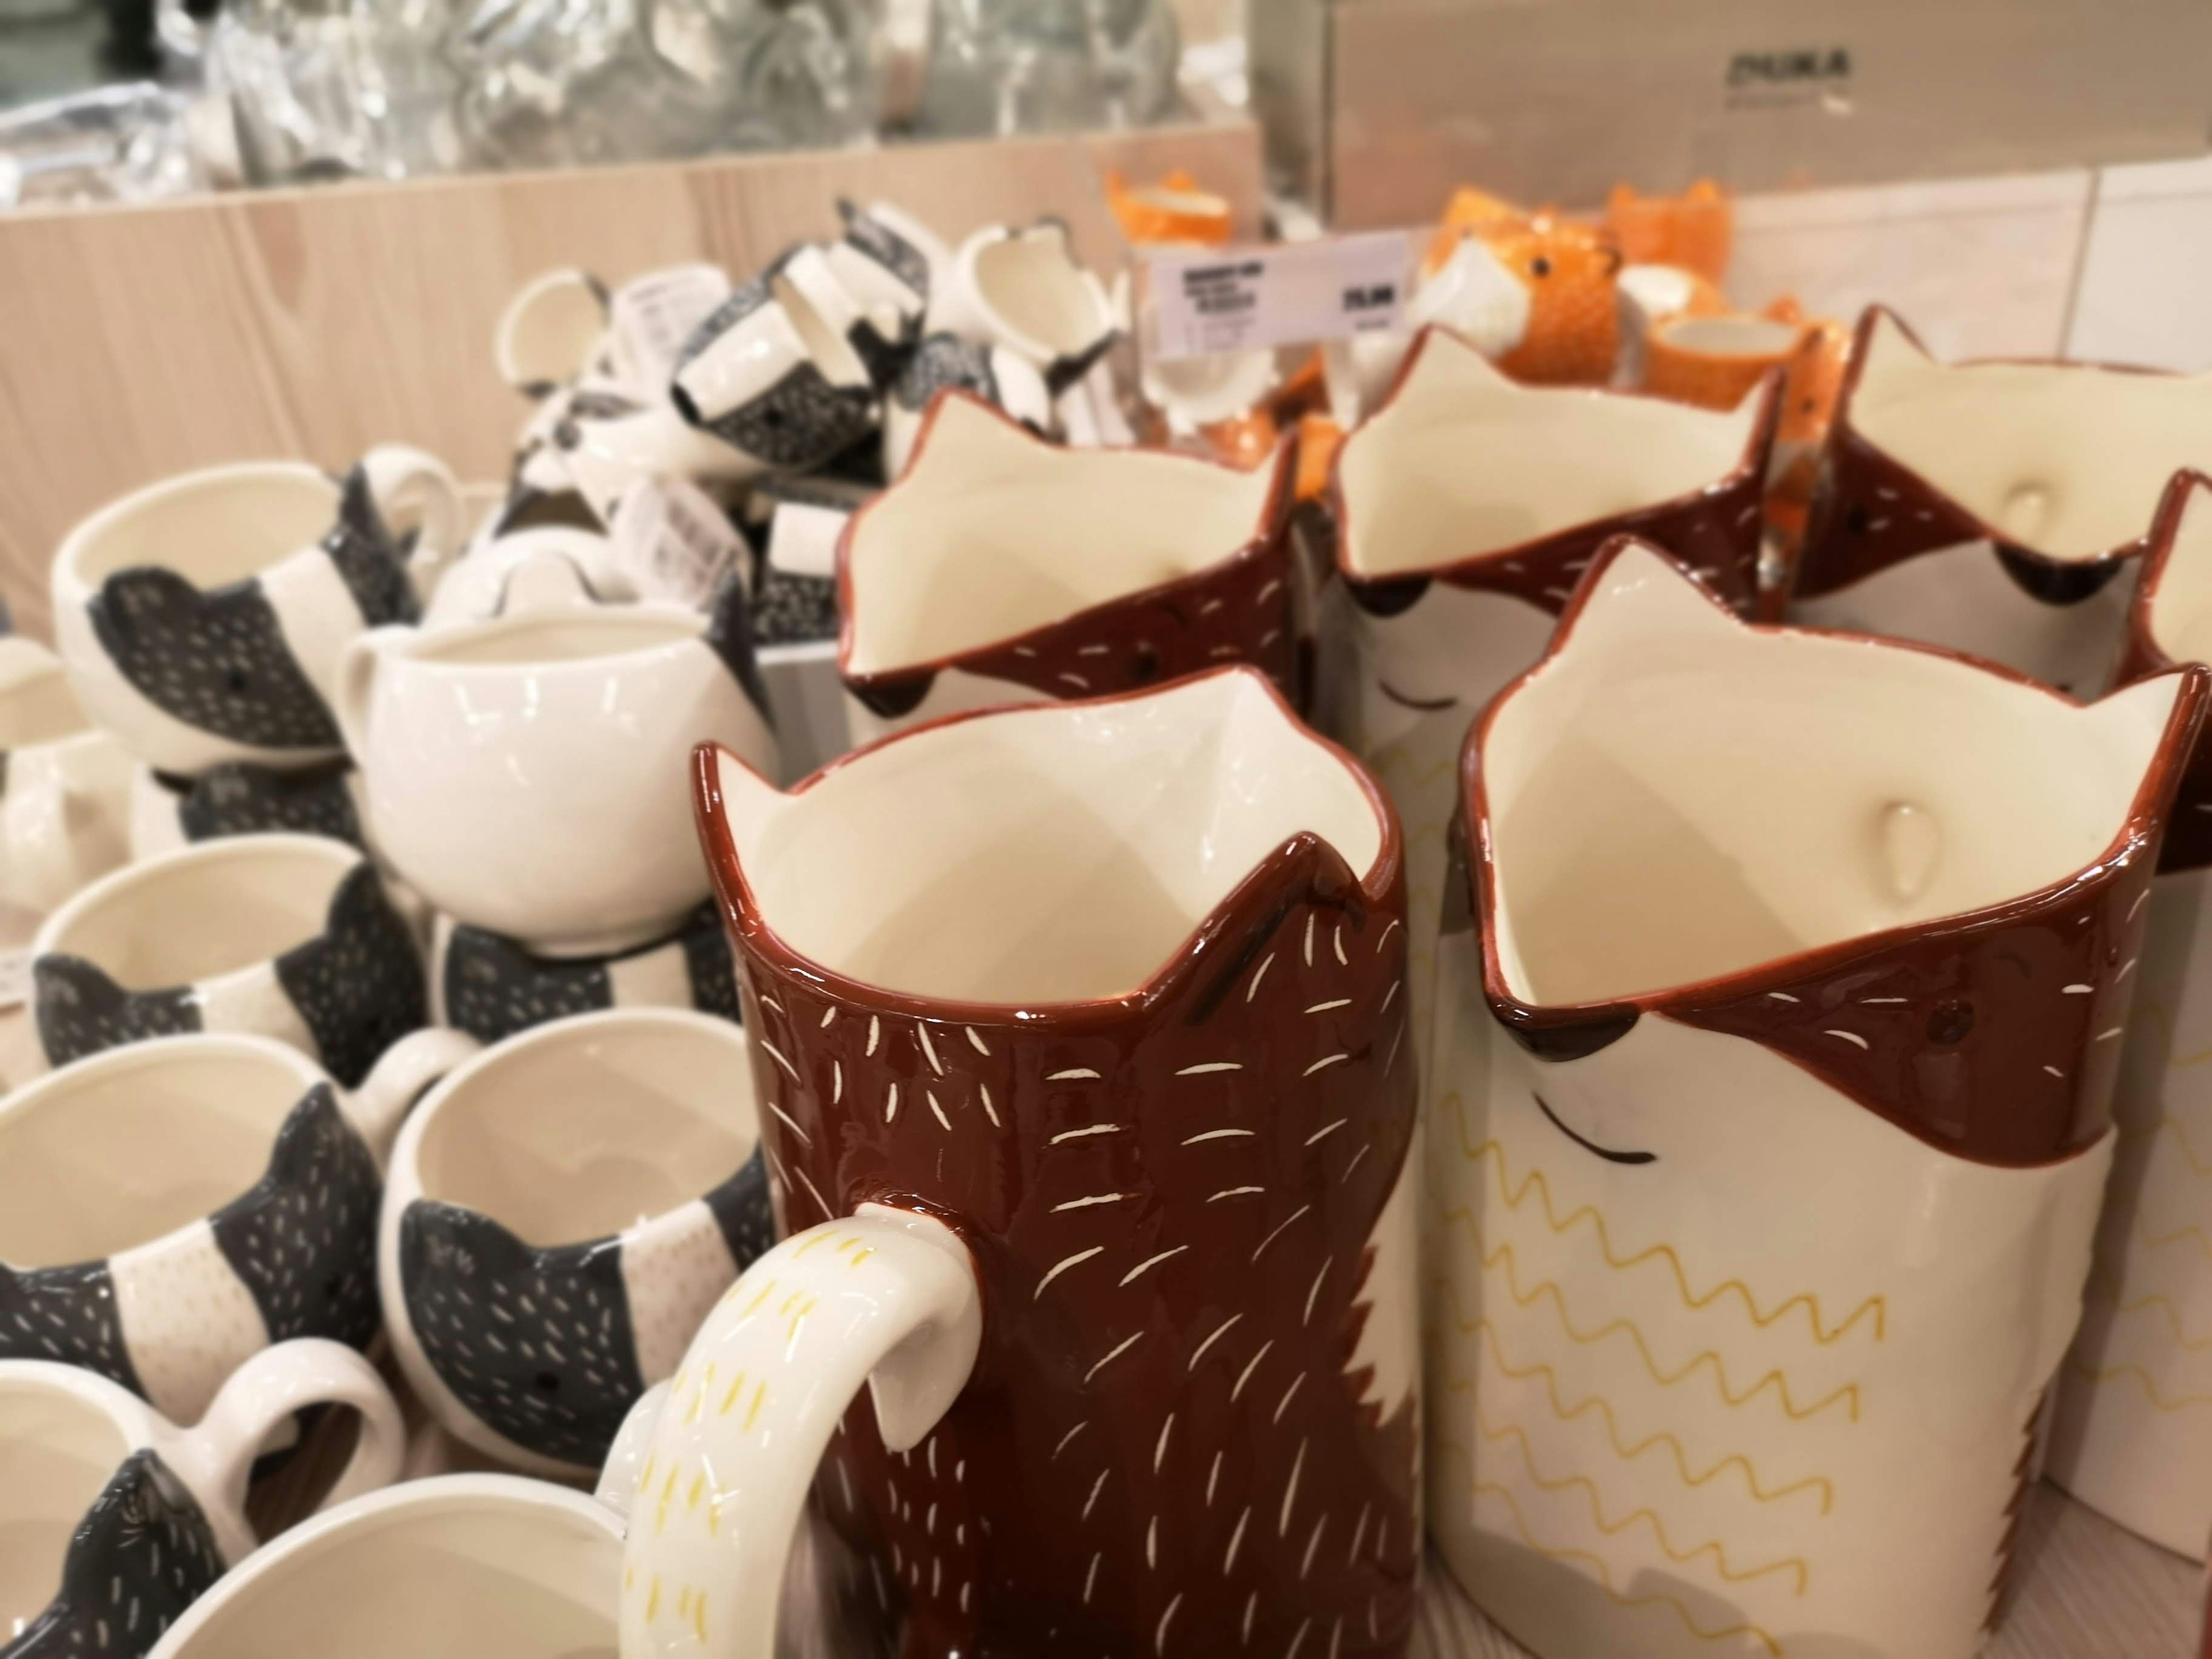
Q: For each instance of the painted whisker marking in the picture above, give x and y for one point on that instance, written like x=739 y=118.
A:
x=1336 y=939
x=1385 y=938
x=1077 y=1134
x=2077 y=990
x=1291 y=1492
x=776 y=1054
x=1323 y=1133
x=828 y=1214
x=1251 y=1366
x=1309 y=927
x=1160 y=1450
x=1272 y=1237
x=1091 y=1579
x=1307 y=1317
x=790 y=1122
x=989 y=1110
x=1074 y=1074
x=2054 y=1071
x=1849 y=1036
x=1391 y=995
x=1205 y=1067
x=1336 y=1002
x=875 y=1033
x=1213 y=1476
x=1217 y=1134
x=1288 y=1394
x=2105 y=1036
x=891 y=1106
x=1160 y=1635
x=837 y=1081
x=1326 y=1062
x=1065 y=1439
x=1150 y=1261
x=1115 y=1353
x=943 y=1122
x=1267 y=963
x=1063 y=1265
x=1095 y=1487
x=1236 y=1542
x=1095 y=1198
x=977 y=1041
x=828 y=1016
x=1220 y=1331
x=1782 y=996
x=1234 y=1192
x=929 y=1049
x=1075 y=680
x=1354 y=1164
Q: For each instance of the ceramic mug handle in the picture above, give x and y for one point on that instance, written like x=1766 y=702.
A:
x=887 y=1298
x=217 y=1455
x=398 y=1080
x=413 y=487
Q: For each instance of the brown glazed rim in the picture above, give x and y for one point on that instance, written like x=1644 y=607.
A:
x=742 y=913
x=1862 y=332
x=1273 y=514
x=1751 y=463
x=2140 y=826
x=2145 y=655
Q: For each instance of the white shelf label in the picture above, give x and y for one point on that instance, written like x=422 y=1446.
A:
x=1242 y=300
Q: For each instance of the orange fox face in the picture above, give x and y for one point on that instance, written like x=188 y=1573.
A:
x=1692 y=230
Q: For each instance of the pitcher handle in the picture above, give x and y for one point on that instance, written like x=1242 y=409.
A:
x=356 y=675
x=888 y=1297
x=217 y=1456
x=401 y=1076
x=412 y=486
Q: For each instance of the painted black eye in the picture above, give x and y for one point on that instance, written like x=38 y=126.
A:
x=1949 y=1022
x=1539 y=266
x=1856 y=520
x=547 y=1382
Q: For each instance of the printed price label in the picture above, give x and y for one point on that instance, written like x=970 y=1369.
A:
x=673 y=541
x=1204 y=303
x=654 y=315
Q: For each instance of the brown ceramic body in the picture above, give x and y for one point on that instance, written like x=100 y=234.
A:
x=1171 y=1440
x=1241 y=608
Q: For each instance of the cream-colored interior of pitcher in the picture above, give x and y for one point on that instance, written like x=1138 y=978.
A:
x=210 y=527
x=1057 y=853
x=2064 y=459
x=593 y=1126
x=560 y=636
x=461 y=1575
x=213 y=909
x=1028 y=283
x=2181 y=608
x=1463 y=461
x=57 y=1452
x=1730 y=337
x=127 y=1148
x=992 y=533
x=1676 y=797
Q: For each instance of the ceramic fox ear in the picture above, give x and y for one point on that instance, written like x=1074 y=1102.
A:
x=2179 y=577
x=975 y=426
x=1886 y=333
x=737 y=805
x=2134 y=721
x=1634 y=590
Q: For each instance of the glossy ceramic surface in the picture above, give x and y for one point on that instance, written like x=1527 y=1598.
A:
x=2133 y=1432
x=561 y=1213
x=293 y=937
x=1003 y=568
x=488 y=1563
x=1467 y=506
x=202 y=617
x=517 y=771
x=169 y=1209
x=116 y=1520
x=1774 y=1067
x=1137 y=1037
x=1994 y=507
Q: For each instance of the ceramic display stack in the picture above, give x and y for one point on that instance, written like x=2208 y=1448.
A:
x=867 y=1015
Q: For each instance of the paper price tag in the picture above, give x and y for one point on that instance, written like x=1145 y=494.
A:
x=1204 y=302
x=674 y=541
x=654 y=315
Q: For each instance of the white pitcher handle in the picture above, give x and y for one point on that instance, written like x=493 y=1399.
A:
x=544 y=338
x=887 y=1298
x=356 y=675
x=217 y=1456
x=415 y=490
x=398 y=1080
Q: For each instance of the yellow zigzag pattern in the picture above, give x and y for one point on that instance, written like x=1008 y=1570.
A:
x=2192 y=1233
x=2157 y=1401
x=1588 y=1487
x=1604 y=1575
x=1807 y=1300
x=1774 y=1379
x=1393 y=760
x=2169 y=1124
x=1628 y=1454
x=2105 y=1289
x=2152 y=1013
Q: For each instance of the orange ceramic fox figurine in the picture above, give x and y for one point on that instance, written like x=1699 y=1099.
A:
x=1533 y=290
x=1693 y=231
x=1178 y=209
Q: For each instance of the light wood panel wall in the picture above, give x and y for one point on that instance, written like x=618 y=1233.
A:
x=136 y=341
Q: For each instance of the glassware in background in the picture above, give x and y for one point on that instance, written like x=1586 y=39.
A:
x=337 y=87
x=558 y=82
x=134 y=142
x=1007 y=66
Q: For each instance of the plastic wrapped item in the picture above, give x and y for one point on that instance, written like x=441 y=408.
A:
x=337 y=87
x=556 y=82
x=134 y=142
x=1003 y=66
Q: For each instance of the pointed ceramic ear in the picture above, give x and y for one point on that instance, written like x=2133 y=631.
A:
x=1450 y=358
x=736 y=806
x=1632 y=588
x=2135 y=721
x=1887 y=333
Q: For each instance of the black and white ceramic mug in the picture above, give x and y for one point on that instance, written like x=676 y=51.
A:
x=560 y=1214
x=492 y=987
x=202 y=616
x=171 y=1209
x=238 y=798
x=288 y=936
x=115 y=1520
